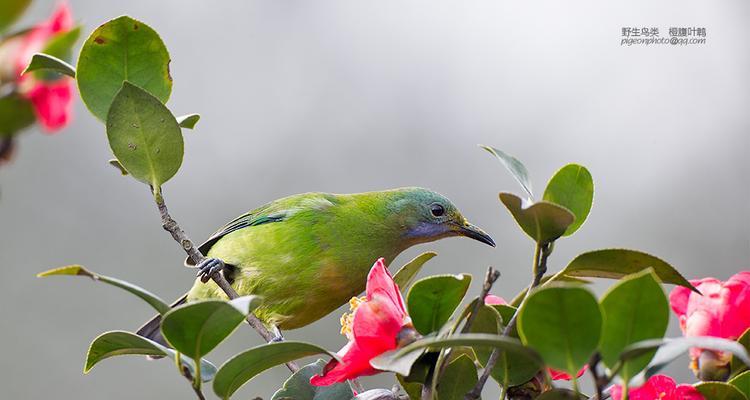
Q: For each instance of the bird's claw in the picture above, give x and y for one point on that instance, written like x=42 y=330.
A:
x=209 y=267
x=277 y=336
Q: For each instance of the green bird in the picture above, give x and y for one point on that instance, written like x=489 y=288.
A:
x=308 y=254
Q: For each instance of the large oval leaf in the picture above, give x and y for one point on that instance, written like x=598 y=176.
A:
x=195 y=329
x=719 y=391
x=542 y=221
x=510 y=368
x=617 y=263
x=119 y=343
x=392 y=360
x=636 y=309
x=432 y=300
x=248 y=364
x=563 y=323
x=458 y=379
x=144 y=136
x=515 y=167
x=78 y=270
x=573 y=188
x=298 y=386
x=122 y=49
x=406 y=274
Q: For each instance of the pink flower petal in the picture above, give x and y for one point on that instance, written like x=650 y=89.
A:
x=493 y=300
x=560 y=375
x=52 y=103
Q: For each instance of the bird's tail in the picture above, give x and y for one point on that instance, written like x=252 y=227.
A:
x=152 y=328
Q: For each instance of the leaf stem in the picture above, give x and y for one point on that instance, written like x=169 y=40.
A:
x=171 y=226
x=441 y=364
x=539 y=268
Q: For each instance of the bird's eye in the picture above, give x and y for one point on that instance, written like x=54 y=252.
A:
x=437 y=210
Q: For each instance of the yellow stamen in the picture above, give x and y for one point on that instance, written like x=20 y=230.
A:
x=348 y=318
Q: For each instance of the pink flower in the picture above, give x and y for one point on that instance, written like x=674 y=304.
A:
x=492 y=300
x=51 y=100
x=564 y=376
x=659 y=387
x=375 y=326
x=722 y=311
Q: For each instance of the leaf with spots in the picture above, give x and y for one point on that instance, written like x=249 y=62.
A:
x=144 y=136
x=120 y=50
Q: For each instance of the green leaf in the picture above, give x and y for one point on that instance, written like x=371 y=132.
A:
x=510 y=369
x=563 y=323
x=391 y=361
x=617 y=263
x=736 y=365
x=298 y=386
x=636 y=309
x=119 y=343
x=45 y=62
x=719 y=391
x=548 y=279
x=16 y=114
x=459 y=378
x=560 y=394
x=244 y=366
x=742 y=383
x=59 y=47
x=188 y=121
x=515 y=167
x=432 y=300
x=412 y=389
x=405 y=275
x=78 y=270
x=61 y=44
x=194 y=329
x=10 y=11
x=122 y=49
x=144 y=136
x=573 y=188
x=543 y=221
x=113 y=162
x=670 y=349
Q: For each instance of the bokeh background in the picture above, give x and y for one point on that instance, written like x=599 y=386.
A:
x=346 y=96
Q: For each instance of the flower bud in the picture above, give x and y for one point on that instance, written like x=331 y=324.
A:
x=711 y=367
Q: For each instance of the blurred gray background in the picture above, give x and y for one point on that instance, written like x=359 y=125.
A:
x=346 y=96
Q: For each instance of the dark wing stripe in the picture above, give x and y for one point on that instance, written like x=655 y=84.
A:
x=243 y=221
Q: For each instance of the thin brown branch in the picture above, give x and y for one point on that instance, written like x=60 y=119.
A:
x=171 y=226
x=541 y=253
x=489 y=280
x=599 y=381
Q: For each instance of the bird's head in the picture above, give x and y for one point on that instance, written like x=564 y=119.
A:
x=425 y=216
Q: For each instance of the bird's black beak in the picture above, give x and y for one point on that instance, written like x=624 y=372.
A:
x=474 y=232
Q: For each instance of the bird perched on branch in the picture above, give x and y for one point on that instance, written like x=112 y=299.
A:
x=308 y=254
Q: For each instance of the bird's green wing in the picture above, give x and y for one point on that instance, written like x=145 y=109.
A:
x=275 y=211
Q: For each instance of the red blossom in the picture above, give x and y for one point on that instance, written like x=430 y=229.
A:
x=722 y=311
x=564 y=376
x=372 y=328
x=658 y=387
x=51 y=100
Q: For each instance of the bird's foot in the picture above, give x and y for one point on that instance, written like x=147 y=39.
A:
x=277 y=336
x=209 y=267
